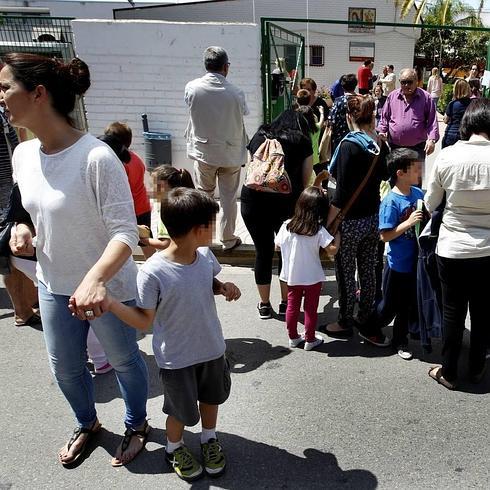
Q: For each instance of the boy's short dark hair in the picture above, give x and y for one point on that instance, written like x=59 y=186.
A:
x=400 y=159
x=183 y=209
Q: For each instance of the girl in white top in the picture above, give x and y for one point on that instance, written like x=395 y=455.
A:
x=300 y=240
x=77 y=195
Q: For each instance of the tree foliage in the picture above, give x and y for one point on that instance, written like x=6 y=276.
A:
x=453 y=49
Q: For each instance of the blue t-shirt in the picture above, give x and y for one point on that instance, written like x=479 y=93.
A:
x=395 y=209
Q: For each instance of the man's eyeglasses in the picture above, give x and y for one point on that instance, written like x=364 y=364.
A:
x=406 y=82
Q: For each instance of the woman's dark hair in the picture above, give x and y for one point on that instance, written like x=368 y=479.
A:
x=303 y=97
x=475 y=86
x=308 y=81
x=361 y=108
x=175 y=177
x=63 y=81
x=117 y=146
x=348 y=82
x=120 y=130
x=289 y=125
x=310 y=212
x=476 y=119
x=308 y=116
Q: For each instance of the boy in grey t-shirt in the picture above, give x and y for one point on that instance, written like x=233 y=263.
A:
x=176 y=289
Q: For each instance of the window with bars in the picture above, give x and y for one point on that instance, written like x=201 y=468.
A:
x=317 y=55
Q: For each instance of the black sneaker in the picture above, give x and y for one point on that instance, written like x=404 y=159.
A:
x=283 y=305
x=265 y=310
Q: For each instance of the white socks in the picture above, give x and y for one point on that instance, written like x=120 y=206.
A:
x=207 y=434
x=172 y=446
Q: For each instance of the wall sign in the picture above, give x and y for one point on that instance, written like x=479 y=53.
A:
x=361 y=14
x=360 y=51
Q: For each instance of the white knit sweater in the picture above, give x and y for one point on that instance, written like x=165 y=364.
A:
x=79 y=199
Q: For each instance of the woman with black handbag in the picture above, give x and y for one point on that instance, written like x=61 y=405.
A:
x=20 y=288
x=359 y=166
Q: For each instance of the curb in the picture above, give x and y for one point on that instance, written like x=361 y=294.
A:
x=243 y=255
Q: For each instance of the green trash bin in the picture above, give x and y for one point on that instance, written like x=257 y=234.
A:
x=158 y=149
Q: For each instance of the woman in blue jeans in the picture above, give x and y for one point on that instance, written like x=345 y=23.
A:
x=83 y=226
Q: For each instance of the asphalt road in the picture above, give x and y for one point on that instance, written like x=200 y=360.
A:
x=348 y=416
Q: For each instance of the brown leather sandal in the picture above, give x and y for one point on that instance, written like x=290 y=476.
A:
x=435 y=373
x=128 y=435
x=76 y=434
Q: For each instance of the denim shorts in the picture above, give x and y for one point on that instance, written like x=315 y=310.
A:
x=208 y=382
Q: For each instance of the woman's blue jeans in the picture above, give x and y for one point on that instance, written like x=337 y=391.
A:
x=66 y=343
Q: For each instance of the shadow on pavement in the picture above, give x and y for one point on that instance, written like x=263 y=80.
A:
x=248 y=354
x=7 y=315
x=107 y=388
x=254 y=464
x=5 y=303
x=353 y=347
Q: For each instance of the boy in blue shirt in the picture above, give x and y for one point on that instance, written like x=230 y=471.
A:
x=398 y=216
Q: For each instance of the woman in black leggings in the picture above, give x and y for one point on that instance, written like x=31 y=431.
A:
x=462 y=174
x=263 y=212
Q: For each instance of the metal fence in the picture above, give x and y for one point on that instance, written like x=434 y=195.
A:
x=41 y=34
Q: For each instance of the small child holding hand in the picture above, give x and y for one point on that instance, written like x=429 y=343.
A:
x=175 y=295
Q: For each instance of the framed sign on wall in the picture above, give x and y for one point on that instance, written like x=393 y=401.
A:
x=357 y=14
x=361 y=51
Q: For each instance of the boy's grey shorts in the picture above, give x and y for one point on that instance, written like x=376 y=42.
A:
x=208 y=382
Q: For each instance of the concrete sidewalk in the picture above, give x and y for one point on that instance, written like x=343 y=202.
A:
x=348 y=416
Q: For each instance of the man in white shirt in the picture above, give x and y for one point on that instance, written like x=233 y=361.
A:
x=388 y=80
x=216 y=137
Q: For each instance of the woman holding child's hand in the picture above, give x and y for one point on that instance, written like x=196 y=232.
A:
x=78 y=198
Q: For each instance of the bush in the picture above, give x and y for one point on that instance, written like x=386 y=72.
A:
x=446 y=97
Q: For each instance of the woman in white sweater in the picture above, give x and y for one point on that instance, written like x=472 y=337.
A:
x=84 y=229
x=462 y=173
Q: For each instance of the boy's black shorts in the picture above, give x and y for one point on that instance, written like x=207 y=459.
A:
x=208 y=382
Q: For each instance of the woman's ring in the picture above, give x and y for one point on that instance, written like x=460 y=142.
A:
x=89 y=313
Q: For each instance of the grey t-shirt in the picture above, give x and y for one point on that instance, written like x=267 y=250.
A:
x=186 y=329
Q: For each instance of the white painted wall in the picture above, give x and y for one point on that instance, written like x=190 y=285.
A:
x=392 y=48
x=393 y=45
x=72 y=8
x=142 y=67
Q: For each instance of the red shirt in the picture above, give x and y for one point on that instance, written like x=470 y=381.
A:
x=135 y=169
x=364 y=74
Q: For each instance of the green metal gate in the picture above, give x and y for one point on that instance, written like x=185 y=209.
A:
x=283 y=66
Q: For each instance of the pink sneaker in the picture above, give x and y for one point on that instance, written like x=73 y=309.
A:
x=106 y=368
